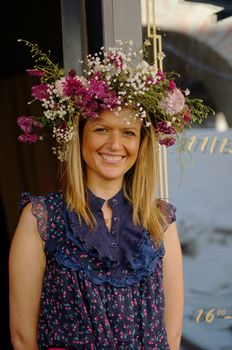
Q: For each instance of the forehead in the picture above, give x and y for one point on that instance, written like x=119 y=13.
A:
x=123 y=119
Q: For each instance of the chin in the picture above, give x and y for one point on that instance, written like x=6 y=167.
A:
x=111 y=175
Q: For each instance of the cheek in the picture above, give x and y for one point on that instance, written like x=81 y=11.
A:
x=135 y=147
x=90 y=146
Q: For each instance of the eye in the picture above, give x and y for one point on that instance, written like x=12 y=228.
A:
x=100 y=130
x=130 y=133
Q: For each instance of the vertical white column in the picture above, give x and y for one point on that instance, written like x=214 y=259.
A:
x=121 y=20
x=73 y=33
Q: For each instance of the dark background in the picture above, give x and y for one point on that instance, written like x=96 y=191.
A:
x=27 y=168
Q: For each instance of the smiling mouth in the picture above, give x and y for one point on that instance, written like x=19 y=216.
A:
x=110 y=158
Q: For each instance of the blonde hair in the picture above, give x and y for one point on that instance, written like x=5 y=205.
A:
x=140 y=184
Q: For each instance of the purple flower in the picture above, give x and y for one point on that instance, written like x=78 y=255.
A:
x=187 y=118
x=99 y=97
x=40 y=91
x=28 y=138
x=110 y=101
x=96 y=91
x=151 y=80
x=164 y=128
x=25 y=123
x=160 y=75
x=96 y=76
x=91 y=114
x=35 y=72
x=168 y=141
x=97 y=88
x=73 y=86
x=72 y=73
x=172 y=85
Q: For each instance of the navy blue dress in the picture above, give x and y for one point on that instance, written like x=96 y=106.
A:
x=102 y=290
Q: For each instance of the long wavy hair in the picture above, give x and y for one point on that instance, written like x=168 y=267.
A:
x=140 y=183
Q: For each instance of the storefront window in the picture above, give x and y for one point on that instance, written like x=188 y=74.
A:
x=197 y=42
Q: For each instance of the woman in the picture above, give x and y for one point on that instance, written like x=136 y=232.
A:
x=99 y=265
x=110 y=150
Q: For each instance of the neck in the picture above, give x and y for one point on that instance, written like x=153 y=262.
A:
x=103 y=188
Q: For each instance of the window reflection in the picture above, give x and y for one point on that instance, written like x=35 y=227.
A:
x=197 y=42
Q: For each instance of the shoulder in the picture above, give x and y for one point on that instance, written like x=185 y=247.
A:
x=26 y=239
x=27 y=221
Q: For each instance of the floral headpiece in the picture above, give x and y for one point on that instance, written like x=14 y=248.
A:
x=114 y=78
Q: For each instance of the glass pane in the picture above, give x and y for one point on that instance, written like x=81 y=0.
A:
x=197 y=42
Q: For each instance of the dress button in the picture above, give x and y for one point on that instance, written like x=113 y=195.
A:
x=113 y=245
x=116 y=219
x=114 y=201
x=114 y=233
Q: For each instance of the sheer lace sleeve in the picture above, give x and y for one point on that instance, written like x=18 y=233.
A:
x=39 y=210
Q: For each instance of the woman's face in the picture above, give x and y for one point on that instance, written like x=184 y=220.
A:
x=110 y=146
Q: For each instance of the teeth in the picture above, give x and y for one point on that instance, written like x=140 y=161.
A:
x=111 y=158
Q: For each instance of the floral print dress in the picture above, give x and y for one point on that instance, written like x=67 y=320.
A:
x=102 y=289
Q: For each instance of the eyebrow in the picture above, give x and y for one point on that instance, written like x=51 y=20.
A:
x=109 y=126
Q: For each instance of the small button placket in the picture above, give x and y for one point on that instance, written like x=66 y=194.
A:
x=115 y=227
x=114 y=201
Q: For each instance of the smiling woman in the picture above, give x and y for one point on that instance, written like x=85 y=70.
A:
x=98 y=265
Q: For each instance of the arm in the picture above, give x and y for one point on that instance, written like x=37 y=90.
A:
x=26 y=269
x=173 y=285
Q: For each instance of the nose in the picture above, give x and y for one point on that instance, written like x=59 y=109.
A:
x=115 y=141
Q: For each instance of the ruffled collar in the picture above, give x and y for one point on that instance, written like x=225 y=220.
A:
x=99 y=241
x=121 y=257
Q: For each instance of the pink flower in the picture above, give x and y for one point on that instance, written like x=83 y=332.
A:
x=25 y=123
x=168 y=141
x=187 y=118
x=160 y=75
x=28 y=138
x=150 y=80
x=72 y=86
x=90 y=114
x=98 y=97
x=40 y=91
x=164 y=128
x=173 y=102
x=172 y=85
x=72 y=73
x=35 y=72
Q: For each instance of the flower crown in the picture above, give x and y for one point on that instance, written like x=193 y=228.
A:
x=115 y=78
